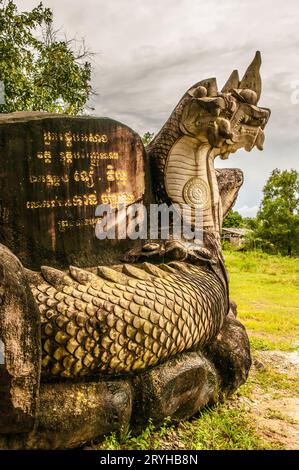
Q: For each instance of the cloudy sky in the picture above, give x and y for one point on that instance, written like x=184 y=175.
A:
x=150 y=52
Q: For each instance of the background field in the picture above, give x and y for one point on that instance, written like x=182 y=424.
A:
x=263 y=413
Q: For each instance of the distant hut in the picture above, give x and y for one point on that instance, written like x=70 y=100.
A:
x=235 y=236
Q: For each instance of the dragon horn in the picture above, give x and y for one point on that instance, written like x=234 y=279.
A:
x=210 y=84
x=232 y=82
x=252 y=78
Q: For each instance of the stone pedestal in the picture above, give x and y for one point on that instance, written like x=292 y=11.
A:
x=176 y=389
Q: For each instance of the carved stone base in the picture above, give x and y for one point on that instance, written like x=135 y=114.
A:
x=176 y=389
x=230 y=354
x=72 y=414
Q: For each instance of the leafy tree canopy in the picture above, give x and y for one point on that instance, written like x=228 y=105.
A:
x=147 y=138
x=233 y=219
x=39 y=71
x=278 y=217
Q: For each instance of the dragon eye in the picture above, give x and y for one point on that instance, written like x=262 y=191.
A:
x=249 y=96
x=200 y=92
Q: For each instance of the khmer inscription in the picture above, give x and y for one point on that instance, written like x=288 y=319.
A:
x=55 y=171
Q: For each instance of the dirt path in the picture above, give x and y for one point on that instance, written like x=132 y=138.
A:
x=274 y=397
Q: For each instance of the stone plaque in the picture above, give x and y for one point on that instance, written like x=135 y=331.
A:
x=54 y=172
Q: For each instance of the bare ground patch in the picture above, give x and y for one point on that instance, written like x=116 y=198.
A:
x=273 y=400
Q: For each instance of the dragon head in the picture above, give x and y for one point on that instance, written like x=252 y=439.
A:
x=230 y=119
x=207 y=123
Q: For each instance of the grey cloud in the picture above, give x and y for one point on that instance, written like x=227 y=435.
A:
x=151 y=52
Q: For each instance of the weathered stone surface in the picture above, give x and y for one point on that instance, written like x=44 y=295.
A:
x=72 y=414
x=177 y=388
x=230 y=354
x=229 y=182
x=55 y=170
x=20 y=345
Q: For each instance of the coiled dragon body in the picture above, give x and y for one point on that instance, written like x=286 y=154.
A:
x=120 y=322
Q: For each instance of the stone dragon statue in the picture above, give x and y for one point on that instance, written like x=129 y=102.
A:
x=173 y=297
x=125 y=321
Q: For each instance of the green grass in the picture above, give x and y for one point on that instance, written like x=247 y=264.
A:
x=274 y=414
x=221 y=427
x=148 y=439
x=270 y=380
x=266 y=289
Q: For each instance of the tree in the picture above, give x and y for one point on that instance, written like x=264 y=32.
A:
x=233 y=219
x=277 y=225
x=39 y=71
x=249 y=222
x=147 y=138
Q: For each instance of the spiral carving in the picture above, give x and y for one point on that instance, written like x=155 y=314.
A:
x=196 y=193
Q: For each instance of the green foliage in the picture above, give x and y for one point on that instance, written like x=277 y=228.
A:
x=270 y=379
x=249 y=222
x=222 y=428
x=40 y=73
x=233 y=219
x=226 y=245
x=277 y=222
x=148 y=439
x=111 y=442
x=147 y=138
x=275 y=414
